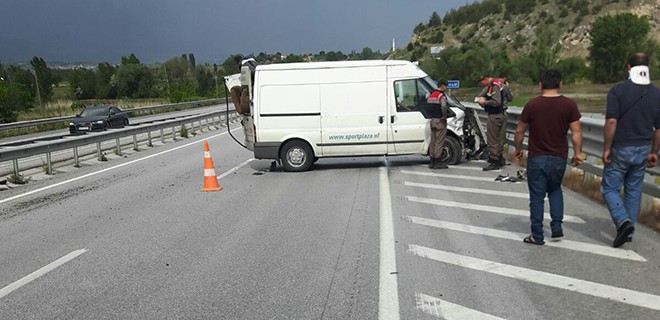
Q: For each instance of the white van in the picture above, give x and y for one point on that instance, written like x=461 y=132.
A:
x=301 y=112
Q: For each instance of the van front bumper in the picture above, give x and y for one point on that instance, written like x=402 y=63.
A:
x=267 y=150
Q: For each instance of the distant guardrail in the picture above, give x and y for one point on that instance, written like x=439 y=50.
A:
x=592 y=144
x=11 y=152
x=33 y=123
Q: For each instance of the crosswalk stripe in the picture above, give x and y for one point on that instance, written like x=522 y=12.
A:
x=468 y=190
x=447 y=310
x=469 y=206
x=622 y=295
x=564 y=244
x=451 y=176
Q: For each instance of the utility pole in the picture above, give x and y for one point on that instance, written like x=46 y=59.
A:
x=36 y=80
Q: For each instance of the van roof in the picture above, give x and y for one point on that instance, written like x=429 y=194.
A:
x=332 y=64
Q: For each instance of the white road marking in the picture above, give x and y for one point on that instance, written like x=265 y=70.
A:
x=450 y=176
x=468 y=190
x=388 y=292
x=235 y=168
x=564 y=244
x=469 y=206
x=35 y=275
x=447 y=310
x=622 y=295
x=108 y=169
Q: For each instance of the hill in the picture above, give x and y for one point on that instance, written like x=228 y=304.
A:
x=514 y=25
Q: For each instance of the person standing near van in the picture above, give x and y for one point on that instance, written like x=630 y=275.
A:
x=632 y=141
x=549 y=117
x=491 y=100
x=438 y=110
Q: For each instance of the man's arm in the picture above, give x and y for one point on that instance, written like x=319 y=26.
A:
x=652 y=159
x=520 y=135
x=576 y=136
x=609 y=131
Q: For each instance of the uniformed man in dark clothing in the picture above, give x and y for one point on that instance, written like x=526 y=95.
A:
x=492 y=100
x=438 y=111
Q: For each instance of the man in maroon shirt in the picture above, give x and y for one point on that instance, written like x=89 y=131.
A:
x=548 y=118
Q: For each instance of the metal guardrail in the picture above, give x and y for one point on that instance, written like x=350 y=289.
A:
x=34 y=123
x=592 y=144
x=53 y=144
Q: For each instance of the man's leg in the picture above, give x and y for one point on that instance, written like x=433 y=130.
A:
x=555 y=173
x=633 y=183
x=501 y=139
x=442 y=134
x=492 y=137
x=536 y=183
x=613 y=175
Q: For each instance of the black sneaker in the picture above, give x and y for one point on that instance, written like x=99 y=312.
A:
x=622 y=234
x=440 y=165
x=557 y=233
x=492 y=166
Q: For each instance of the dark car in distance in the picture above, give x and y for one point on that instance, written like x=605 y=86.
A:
x=98 y=118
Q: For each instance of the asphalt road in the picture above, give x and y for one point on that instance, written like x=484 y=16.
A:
x=355 y=238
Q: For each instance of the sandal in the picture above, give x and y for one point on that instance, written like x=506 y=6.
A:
x=530 y=239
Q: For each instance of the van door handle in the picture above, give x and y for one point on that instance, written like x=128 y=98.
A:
x=381 y=119
x=391 y=119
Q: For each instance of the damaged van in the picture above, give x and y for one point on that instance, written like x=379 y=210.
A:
x=300 y=112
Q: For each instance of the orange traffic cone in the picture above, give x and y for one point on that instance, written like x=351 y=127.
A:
x=210 y=179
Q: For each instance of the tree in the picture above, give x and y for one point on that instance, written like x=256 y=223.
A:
x=82 y=84
x=44 y=78
x=14 y=98
x=105 y=88
x=546 y=48
x=134 y=81
x=191 y=61
x=613 y=40
x=131 y=59
x=435 y=20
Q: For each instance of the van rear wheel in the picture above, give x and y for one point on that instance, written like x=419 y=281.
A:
x=296 y=156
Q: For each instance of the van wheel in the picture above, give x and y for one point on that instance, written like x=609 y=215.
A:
x=296 y=156
x=451 y=151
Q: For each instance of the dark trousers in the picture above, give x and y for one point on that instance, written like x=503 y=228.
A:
x=496 y=135
x=438 y=134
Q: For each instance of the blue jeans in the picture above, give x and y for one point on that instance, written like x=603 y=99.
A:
x=544 y=176
x=626 y=170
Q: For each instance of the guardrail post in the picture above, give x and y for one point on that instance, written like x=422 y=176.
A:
x=76 y=161
x=135 y=143
x=222 y=123
x=99 y=153
x=15 y=167
x=174 y=133
x=149 y=139
x=49 y=164
x=162 y=136
x=118 y=147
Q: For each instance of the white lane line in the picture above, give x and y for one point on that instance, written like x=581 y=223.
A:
x=450 y=176
x=468 y=190
x=388 y=292
x=564 y=244
x=477 y=207
x=447 y=310
x=108 y=169
x=235 y=168
x=35 y=275
x=622 y=295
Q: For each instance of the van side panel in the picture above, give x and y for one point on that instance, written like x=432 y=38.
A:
x=354 y=118
x=287 y=111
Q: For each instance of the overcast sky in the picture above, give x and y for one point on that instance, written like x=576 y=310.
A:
x=157 y=30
